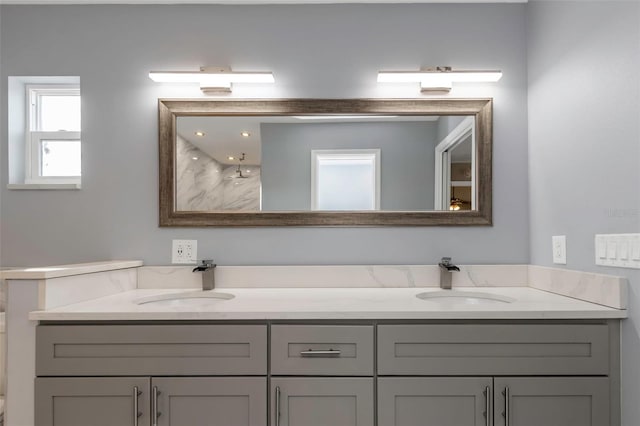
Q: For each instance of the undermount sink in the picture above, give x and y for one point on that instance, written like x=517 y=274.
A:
x=463 y=297
x=190 y=299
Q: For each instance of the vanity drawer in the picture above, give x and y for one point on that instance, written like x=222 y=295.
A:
x=493 y=349
x=319 y=350
x=86 y=350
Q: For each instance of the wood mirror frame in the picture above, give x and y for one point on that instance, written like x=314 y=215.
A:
x=170 y=109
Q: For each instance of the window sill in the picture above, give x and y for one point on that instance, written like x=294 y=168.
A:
x=43 y=186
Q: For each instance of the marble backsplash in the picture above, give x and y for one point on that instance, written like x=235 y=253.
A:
x=334 y=276
x=605 y=290
x=55 y=292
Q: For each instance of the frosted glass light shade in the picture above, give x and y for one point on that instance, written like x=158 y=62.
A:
x=438 y=79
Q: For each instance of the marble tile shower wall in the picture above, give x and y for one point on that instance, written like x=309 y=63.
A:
x=199 y=181
x=204 y=184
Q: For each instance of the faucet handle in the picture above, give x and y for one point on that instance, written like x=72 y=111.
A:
x=445 y=261
x=204 y=265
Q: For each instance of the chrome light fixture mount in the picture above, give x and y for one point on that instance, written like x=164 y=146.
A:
x=212 y=80
x=439 y=79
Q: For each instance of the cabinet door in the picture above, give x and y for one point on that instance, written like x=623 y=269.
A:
x=210 y=401
x=104 y=401
x=559 y=401
x=322 y=401
x=441 y=401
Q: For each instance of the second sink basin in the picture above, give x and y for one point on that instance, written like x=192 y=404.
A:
x=463 y=297
x=190 y=299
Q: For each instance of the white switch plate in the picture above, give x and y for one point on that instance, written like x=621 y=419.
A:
x=184 y=252
x=559 y=249
x=618 y=250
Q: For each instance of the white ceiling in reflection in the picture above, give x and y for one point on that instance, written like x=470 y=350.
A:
x=223 y=135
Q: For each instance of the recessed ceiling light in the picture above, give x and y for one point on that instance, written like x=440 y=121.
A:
x=245 y=134
x=231 y=158
x=194 y=158
x=199 y=133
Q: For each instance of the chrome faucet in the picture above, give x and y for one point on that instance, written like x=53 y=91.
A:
x=207 y=267
x=446 y=272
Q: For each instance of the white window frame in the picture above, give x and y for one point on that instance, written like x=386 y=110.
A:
x=458 y=135
x=34 y=137
x=320 y=154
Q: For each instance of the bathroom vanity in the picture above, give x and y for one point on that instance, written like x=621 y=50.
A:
x=505 y=347
x=316 y=373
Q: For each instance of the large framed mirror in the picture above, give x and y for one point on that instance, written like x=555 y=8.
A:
x=325 y=162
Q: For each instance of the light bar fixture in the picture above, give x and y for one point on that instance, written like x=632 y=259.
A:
x=439 y=79
x=215 y=80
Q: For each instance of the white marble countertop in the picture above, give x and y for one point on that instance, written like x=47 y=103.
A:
x=331 y=304
x=47 y=272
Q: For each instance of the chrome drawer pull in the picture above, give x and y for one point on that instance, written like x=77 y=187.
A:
x=311 y=352
x=136 y=412
x=487 y=406
x=506 y=406
x=154 y=408
x=277 y=405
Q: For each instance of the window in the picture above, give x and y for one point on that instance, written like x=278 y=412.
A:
x=345 y=179
x=53 y=147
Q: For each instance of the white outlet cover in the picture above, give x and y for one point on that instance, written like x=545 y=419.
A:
x=184 y=252
x=559 y=243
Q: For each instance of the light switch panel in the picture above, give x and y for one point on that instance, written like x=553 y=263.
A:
x=612 y=247
x=618 y=250
x=635 y=247
x=601 y=247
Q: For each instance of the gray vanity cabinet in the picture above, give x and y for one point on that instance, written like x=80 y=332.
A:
x=210 y=401
x=84 y=401
x=138 y=401
x=549 y=401
x=182 y=367
x=308 y=351
x=313 y=401
x=571 y=364
x=491 y=373
x=475 y=401
x=435 y=401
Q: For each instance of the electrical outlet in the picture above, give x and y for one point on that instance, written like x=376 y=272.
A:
x=184 y=251
x=559 y=249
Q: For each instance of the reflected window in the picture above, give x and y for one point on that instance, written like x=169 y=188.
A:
x=345 y=179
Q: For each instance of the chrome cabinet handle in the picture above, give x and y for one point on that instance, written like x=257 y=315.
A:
x=311 y=352
x=154 y=403
x=505 y=414
x=487 y=405
x=277 y=405
x=136 y=412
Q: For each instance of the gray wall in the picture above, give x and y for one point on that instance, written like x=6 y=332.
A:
x=407 y=156
x=327 y=51
x=584 y=144
x=446 y=125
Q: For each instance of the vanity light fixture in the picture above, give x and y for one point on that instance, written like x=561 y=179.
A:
x=199 y=133
x=439 y=79
x=245 y=134
x=212 y=80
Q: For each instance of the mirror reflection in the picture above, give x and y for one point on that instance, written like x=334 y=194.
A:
x=325 y=163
